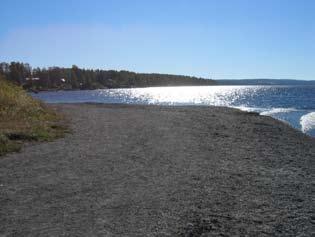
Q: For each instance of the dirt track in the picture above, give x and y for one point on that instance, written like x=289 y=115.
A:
x=161 y=171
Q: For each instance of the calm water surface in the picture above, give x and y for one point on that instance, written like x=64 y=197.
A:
x=293 y=104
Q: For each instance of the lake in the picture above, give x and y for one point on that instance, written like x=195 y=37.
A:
x=292 y=104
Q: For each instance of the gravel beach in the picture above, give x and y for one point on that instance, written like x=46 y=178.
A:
x=129 y=170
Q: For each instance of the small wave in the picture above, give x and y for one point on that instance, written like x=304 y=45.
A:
x=307 y=122
x=277 y=111
x=249 y=109
x=266 y=111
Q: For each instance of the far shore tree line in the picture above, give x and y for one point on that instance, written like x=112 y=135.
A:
x=59 y=78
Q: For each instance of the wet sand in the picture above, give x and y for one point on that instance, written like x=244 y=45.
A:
x=161 y=171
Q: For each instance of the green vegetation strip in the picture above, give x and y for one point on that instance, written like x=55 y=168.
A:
x=23 y=118
x=58 y=78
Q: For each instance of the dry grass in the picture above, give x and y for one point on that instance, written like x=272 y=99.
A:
x=23 y=118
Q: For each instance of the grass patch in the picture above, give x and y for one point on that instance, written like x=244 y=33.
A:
x=23 y=118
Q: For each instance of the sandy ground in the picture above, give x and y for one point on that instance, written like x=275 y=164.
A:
x=161 y=171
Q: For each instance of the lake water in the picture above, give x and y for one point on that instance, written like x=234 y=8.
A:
x=293 y=104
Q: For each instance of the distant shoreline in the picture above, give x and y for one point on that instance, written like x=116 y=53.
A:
x=73 y=78
x=279 y=85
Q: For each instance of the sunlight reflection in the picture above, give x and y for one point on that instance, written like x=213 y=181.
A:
x=204 y=95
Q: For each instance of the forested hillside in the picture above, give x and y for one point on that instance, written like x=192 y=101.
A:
x=76 y=78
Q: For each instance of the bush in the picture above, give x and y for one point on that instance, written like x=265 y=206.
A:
x=23 y=118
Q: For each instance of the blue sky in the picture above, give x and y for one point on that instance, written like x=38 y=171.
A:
x=206 y=38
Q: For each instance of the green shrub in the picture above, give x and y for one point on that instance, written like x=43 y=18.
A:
x=23 y=118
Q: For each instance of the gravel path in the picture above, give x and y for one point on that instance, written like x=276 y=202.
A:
x=161 y=171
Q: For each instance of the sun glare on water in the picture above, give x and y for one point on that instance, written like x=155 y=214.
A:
x=185 y=95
